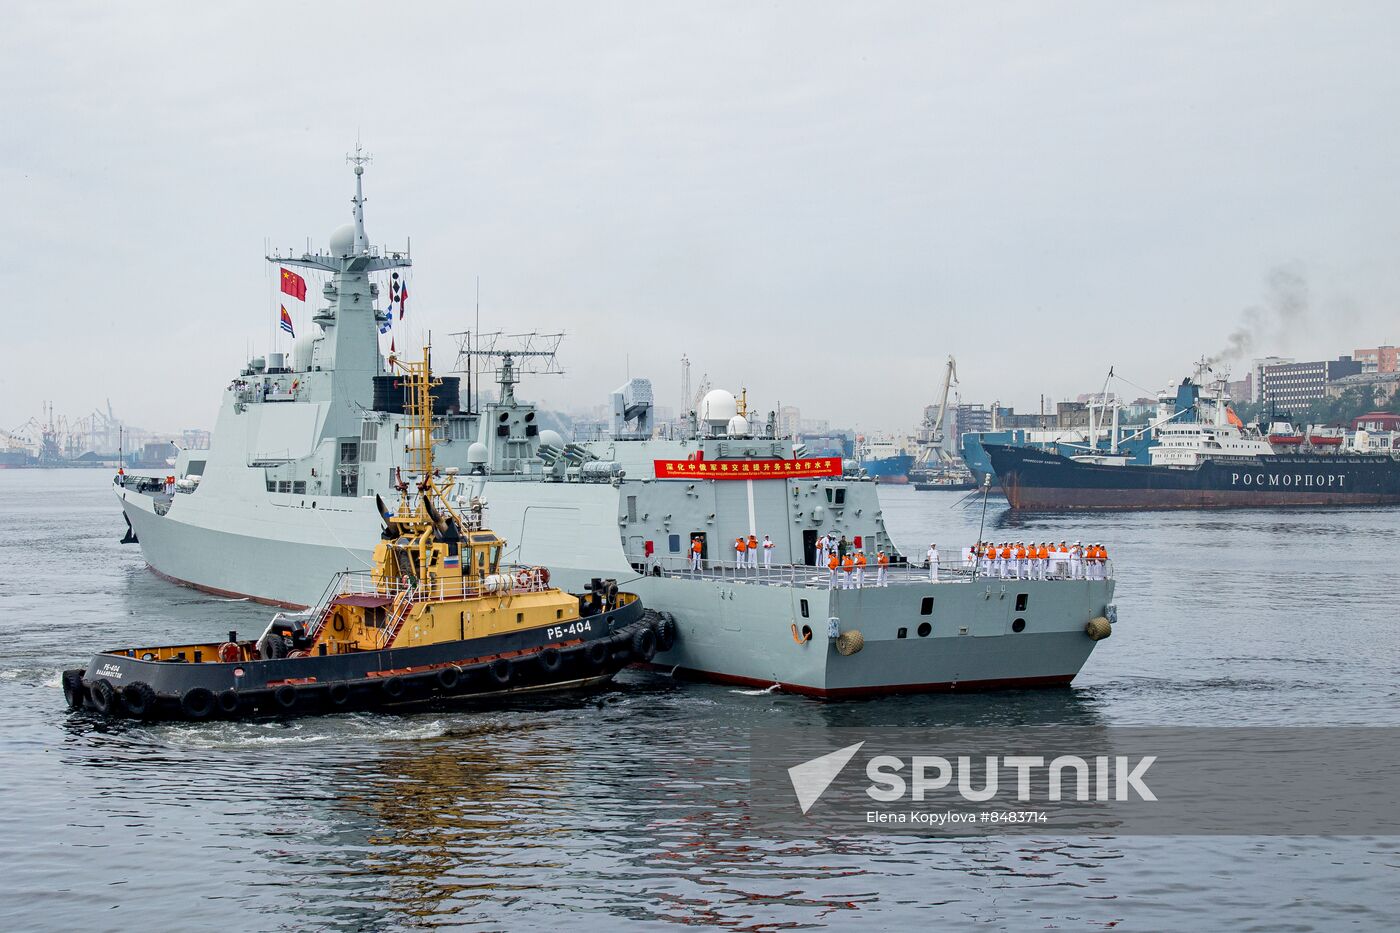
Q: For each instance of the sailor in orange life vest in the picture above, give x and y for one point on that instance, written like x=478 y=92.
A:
x=832 y=562
x=882 y=563
x=860 y=570
x=767 y=552
x=741 y=549
x=932 y=557
x=695 y=548
x=848 y=564
x=753 y=552
x=1022 y=570
x=1008 y=569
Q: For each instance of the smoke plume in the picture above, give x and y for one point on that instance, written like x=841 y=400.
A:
x=1273 y=325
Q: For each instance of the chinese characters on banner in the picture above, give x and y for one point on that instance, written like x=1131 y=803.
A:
x=749 y=469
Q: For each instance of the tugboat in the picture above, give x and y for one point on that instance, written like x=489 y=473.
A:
x=439 y=615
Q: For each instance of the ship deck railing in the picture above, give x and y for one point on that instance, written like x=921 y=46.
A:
x=446 y=585
x=901 y=574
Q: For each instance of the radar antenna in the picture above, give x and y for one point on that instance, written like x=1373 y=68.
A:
x=516 y=354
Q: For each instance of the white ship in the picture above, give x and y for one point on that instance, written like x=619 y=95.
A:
x=286 y=496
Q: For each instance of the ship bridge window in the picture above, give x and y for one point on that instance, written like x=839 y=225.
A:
x=836 y=495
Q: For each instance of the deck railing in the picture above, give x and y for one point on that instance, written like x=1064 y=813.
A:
x=949 y=571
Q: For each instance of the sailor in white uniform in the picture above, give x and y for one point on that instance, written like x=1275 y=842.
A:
x=932 y=558
x=969 y=557
x=767 y=552
x=1076 y=561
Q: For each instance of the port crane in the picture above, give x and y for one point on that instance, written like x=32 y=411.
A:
x=930 y=437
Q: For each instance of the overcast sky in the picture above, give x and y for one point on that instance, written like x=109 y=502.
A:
x=818 y=201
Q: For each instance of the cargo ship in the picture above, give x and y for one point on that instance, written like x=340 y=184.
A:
x=884 y=461
x=1200 y=464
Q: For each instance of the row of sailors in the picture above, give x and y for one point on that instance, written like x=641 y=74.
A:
x=746 y=552
x=1020 y=561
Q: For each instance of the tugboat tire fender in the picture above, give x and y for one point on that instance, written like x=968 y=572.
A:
x=449 y=677
x=644 y=643
x=285 y=696
x=666 y=632
x=550 y=660
x=138 y=698
x=104 y=697
x=338 y=694
x=597 y=653
x=229 y=701
x=393 y=687
x=501 y=670
x=198 y=702
x=74 y=693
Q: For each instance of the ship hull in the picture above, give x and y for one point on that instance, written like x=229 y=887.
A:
x=729 y=631
x=890 y=471
x=1042 y=481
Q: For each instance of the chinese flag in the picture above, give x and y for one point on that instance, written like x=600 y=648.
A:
x=294 y=285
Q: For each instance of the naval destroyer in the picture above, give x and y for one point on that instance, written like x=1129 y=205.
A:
x=304 y=444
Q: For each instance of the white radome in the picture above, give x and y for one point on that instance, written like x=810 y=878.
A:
x=551 y=438
x=738 y=426
x=343 y=240
x=718 y=406
x=477 y=453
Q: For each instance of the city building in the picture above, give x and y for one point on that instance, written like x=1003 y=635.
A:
x=1256 y=375
x=1377 y=421
x=1292 y=387
x=790 y=421
x=1376 y=359
x=1384 y=385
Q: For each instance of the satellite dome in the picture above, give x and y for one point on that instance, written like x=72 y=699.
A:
x=717 y=407
x=738 y=426
x=343 y=240
x=551 y=438
x=476 y=453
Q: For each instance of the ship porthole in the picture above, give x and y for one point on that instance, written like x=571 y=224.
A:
x=1019 y=625
x=924 y=629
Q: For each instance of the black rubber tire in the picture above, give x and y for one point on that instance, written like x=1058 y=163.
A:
x=501 y=670
x=74 y=693
x=138 y=698
x=198 y=702
x=448 y=678
x=105 y=699
x=229 y=701
x=665 y=632
x=285 y=696
x=644 y=643
x=338 y=695
x=597 y=653
x=550 y=660
x=393 y=687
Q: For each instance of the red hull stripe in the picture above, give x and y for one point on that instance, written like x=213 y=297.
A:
x=841 y=693
x=226 y=593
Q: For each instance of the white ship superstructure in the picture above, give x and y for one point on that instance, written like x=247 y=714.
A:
x=285 y=497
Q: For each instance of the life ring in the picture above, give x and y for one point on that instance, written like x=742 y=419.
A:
x=229 y=702
x=104 y=697
x=544 y=575
x=597 y=653
x=73 y=690
x=393 y=687
x=550 y=660
x=198 y=702
x=644 y=643
x=501 y=670
x=138 y=698
x=285 y=696
x=230 y=652
x=338 y=694
x=666 y=631
x=338 y=624
x=447 y=677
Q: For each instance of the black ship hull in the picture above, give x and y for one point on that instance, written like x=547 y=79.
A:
x=592 y=651
x=1035 y=480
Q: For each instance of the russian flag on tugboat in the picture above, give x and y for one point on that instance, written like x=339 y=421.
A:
x=451 y=560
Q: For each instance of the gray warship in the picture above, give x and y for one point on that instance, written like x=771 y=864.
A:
x=307 y=442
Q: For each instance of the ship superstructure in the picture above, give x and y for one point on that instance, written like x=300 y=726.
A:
x=285 y=497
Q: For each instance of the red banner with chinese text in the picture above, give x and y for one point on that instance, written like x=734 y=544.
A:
x=749 y=469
